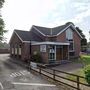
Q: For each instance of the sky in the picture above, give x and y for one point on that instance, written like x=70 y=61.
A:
x=22 y=14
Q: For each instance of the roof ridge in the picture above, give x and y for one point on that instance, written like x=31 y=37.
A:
x=20 y=30
x=41 y=26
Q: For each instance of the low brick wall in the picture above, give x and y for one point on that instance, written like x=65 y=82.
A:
x=2 y=51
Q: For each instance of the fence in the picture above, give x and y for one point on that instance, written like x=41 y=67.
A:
x=61 y=76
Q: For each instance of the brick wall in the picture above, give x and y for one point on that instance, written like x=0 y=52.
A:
x=77 y=44
x=44 y=55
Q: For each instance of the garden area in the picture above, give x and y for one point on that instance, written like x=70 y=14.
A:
x=85 y=71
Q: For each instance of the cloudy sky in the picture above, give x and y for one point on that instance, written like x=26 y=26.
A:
x=22 y=14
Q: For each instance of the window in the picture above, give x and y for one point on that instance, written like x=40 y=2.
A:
x=19 y=50
x=52 y=52
x=69 y=34
x=69 y=37
x=16 y=49
x=71 y=46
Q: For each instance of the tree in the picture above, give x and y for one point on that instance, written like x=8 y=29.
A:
x=2 y=25
x=84 y=40
x=1 y=3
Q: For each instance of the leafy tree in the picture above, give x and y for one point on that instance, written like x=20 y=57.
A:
x=84 y=40
x=1 y=3
x=2 y=25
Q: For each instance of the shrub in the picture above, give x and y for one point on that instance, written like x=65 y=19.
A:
x=87 y=74
x=36 y=57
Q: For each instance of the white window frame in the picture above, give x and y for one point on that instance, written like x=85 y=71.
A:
x=19 y=51
x=15 y=51
x=53 y=53
x=69 y=34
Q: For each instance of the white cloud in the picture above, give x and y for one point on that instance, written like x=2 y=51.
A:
x=21 y=14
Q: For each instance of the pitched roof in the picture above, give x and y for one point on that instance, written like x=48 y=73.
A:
x=51 y=31
x=27 y=36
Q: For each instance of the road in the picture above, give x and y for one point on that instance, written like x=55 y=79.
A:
x=16 y=77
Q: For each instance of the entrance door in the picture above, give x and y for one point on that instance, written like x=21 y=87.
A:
x=59 y=52
x=52 y=53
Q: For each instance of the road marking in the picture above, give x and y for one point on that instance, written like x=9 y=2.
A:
x=34 y=84
x=15 y=74
x=1 y=86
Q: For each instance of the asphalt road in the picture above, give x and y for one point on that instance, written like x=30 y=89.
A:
x=16 y=77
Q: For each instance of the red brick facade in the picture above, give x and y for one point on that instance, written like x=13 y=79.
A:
x=61 y=53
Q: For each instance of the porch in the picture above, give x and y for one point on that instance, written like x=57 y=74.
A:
x=58 y=54
x=53 y=52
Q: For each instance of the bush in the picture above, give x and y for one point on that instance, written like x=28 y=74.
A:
x=87 y=74
x=36 y=58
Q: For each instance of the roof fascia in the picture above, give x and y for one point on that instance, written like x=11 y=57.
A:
x=51 y=35
x=30 y=41
x=76 y=31
x=18 y=36
x=48 y=43
x=63 y=30
x=68 y=27
x=39 y=31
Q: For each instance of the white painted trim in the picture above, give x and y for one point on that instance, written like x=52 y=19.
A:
x=68 y=27
x=51 y=35
x=50 y=43
x=62 y=52
x=77 y=31
x=63 y=30
x=30 y=41
x=34 y=84
x=2 y=88
x=55 y=52
x=18 y=36
x=68 y=52
x=39 y=31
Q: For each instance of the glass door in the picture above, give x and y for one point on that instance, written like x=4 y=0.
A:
x=52 y=53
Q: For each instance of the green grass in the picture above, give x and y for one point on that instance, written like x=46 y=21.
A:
x=84 y=59
x=80 y=73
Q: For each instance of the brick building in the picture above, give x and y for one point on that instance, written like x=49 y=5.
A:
x=53 y=44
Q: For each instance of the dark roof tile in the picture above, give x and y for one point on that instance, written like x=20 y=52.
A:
x=27 y=36
x=52 y=31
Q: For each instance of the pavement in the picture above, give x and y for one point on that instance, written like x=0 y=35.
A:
x=14 y=76
x=70 y=67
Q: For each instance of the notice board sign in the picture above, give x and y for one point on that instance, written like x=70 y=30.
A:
x=42 y=48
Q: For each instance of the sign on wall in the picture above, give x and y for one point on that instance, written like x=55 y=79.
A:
x=42 y=48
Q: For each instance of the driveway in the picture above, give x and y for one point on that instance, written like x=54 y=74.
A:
x=69 y=67
x=15 y=77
